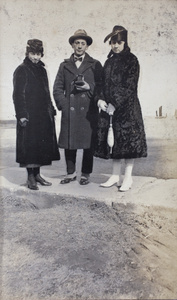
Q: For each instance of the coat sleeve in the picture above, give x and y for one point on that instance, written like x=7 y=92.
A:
x=19 y=99
x=123 y=86
x=98 y=91
x=59 y=88
x=51 y=108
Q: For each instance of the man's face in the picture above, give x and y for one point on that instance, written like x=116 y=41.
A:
x=79 y=46
x=34 y=57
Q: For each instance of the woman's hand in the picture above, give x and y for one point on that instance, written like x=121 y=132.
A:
x=110 y=109
x=23 y=122
x=102 y=104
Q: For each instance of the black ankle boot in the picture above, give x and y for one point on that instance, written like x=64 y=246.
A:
x=32 y=184
x=42 y=181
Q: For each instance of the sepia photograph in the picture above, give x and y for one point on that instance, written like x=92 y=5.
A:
x=88 y=149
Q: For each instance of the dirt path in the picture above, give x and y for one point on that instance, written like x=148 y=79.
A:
x=83 y=249
x=63 y=248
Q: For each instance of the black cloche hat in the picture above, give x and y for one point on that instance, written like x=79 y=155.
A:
x=120 y=31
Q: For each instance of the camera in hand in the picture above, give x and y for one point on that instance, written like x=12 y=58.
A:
x=79 y=81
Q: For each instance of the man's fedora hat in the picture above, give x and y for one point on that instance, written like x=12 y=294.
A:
x=81 y=34
x=120 y=31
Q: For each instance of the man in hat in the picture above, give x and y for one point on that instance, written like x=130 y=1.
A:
x=36 y=136
x=76 y=90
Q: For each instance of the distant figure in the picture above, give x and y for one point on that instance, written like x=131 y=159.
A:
x=121 y=74
x=75 y=89
x=36 y=137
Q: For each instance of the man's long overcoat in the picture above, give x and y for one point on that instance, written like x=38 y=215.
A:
x=79 y=110
x=121 y=74
x=36 y=143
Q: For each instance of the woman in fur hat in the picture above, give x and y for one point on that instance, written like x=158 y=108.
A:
x=36 y=136
x=121 y=74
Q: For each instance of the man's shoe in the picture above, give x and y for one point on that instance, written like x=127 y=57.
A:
x=32 y=182
x=84 y=180
x=42 y=181
x=69 y=178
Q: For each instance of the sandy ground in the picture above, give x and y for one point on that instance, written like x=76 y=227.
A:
x=86 y=242
x=84 y=249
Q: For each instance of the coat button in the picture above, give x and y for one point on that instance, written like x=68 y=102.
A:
x=72 y=95
x=82 y=108
x=83 y=95
x=71 y=108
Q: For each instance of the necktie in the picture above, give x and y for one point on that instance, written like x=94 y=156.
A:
x=77 y=58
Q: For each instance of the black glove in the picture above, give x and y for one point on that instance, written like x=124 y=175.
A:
x=23 y=122
x=52 y=111
x=80 y=84
x=84 y=87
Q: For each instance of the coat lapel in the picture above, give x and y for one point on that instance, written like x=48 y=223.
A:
x=70 y=65
x=87 y=63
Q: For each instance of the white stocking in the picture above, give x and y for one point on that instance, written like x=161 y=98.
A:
x=116 y=174
x=127 y=182
x=116 y=167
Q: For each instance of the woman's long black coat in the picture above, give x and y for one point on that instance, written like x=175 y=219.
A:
x=121 y=74
x=36 y=143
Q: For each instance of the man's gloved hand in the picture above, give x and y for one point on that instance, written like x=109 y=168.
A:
x=23 y=122
x=110 y=109
x=82 y=86
x=102 y=105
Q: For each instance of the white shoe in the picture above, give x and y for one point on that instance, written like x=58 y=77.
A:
x=126 y=185
x=114 y=179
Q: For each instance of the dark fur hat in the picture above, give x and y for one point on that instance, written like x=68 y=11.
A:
x=34 y=46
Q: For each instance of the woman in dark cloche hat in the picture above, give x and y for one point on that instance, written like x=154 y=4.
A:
x=36 y=144
x=120 y=103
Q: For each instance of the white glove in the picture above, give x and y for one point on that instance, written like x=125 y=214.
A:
x=102 y=105
x=110 y=109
